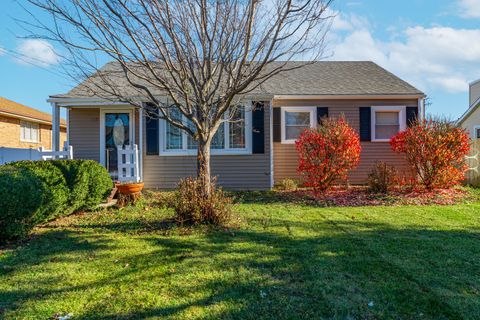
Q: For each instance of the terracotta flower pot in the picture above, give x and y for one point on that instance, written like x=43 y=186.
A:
x=130 y=188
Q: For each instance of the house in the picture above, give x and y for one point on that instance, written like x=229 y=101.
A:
x=25 y=127
x=261 y=152
x=470 y=120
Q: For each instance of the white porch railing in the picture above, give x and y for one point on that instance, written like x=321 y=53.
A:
x=128 y=164
x=67 y=153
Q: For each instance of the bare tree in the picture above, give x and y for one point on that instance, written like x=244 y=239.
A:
x=198 y=57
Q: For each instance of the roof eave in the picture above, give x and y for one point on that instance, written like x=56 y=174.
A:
x=31 y=119
x=469 y=111
x=348 y=96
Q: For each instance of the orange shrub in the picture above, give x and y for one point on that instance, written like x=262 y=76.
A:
x=435 y=152
x=328 y=153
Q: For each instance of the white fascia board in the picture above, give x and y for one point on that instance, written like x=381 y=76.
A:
x=346 y=97
x=469 y=111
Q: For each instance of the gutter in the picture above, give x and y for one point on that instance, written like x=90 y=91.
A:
x=349 y=97
x=17 y=116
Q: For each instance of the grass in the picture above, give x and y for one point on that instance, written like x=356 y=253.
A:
x=285 y=261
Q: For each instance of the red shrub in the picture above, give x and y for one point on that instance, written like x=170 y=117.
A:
x=328 y=153
x=435 y=151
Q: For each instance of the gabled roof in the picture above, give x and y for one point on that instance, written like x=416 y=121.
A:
x=472 y=107
x=17 y=110
x=310 y=78
x=469 y=111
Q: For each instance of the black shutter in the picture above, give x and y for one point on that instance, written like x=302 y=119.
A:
x=258 y=127
x=412 y=115
x=152 y=132
x=277 y=129
x=365 y=124
x=322 y=112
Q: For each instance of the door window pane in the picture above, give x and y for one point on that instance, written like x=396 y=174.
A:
x=237 y=129
x=117 y=133
x=477 y=133
x=387 y=124
x=295 y=124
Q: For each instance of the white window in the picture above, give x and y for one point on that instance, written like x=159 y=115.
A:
x=232 y=137
x=295 y=120
x=476 y=132
x=387 y=122
x=29 y=132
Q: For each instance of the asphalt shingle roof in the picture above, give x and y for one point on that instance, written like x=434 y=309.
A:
x=317 y=78
x=16 y=109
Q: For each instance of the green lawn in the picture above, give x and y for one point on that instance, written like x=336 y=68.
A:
x=285 y=261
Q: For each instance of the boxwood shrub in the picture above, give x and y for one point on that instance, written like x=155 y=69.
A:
x=99 y=184
x=55 y=190
x=34 y=192
x=21 y=197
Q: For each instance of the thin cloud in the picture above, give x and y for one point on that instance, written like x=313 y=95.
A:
x=469 y=8
x=436 y=58
x=37 y=52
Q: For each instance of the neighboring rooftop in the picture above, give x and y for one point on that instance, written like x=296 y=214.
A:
x=18 y=110
x=307 y=78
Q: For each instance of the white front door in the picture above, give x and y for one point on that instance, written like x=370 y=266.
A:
x=117 y=128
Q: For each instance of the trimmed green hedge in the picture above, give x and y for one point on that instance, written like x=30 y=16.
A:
x=21 y=197
x=33 y=192
x=88 y=181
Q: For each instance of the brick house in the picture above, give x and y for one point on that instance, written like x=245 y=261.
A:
x=25 y=127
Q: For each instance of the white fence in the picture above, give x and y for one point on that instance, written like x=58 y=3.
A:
x=128 y=170
x=16 y=154
x=472 y=175
x=67 y=153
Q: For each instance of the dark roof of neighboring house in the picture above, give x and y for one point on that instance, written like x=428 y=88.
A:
x=18 y=110
x=307 y=78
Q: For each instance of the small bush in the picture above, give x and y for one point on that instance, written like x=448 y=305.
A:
x=77 y=181
x=288 y=185
x=435 y=152
x=21 y=197
x=55 y=195
x=88 y=181
x=191 y=207
x=33 y=192
x=328 y=153
x=382 y=178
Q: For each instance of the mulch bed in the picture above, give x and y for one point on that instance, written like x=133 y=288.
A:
x=359 y=196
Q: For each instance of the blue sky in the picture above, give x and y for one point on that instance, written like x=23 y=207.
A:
x=433 y=44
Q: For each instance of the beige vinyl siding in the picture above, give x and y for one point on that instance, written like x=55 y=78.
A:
x=286 y=158
x=474 y=92
x=472 y=121
x=84 y=132
x=234 y=172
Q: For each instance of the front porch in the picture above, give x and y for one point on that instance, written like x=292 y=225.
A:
x=107 y=133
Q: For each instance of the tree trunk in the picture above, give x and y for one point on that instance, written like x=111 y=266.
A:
x=203 y=167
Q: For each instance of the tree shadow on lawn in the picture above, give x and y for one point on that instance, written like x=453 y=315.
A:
x=347 y=270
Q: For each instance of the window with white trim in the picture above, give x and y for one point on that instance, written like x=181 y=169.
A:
x=476 y=132
x=232 y=137
x=387 y=122
x=295 y=120
x=29 y=132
